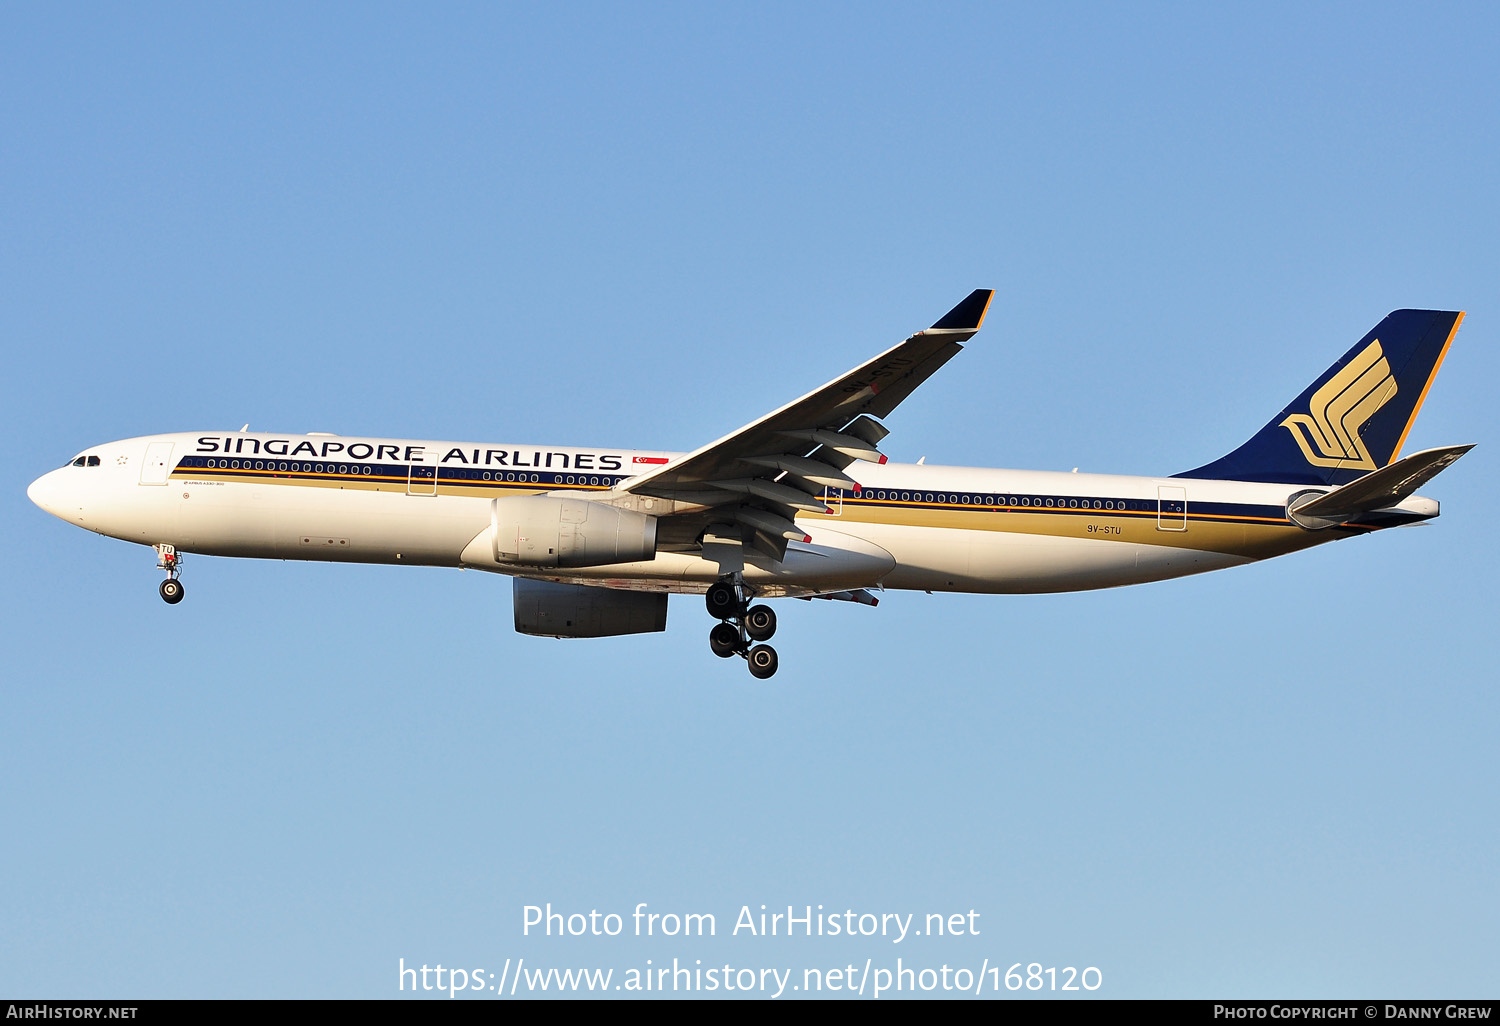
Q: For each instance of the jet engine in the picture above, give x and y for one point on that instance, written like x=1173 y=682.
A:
x=555 y=610
x=538 y=530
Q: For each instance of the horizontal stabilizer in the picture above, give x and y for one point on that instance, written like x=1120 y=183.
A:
x=1379 y=489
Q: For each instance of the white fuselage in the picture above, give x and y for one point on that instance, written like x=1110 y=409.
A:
x=324 y=497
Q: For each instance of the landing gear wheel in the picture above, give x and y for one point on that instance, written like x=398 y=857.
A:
x=763 y=661
x=760 y=623
x=171 y=591
x=724 y=640
x=722 y=601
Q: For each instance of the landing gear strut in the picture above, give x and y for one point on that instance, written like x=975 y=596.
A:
x=168 y=559
x=728 y=600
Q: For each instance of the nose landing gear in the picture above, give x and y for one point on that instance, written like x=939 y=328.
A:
x=168 y=559
x=738 y=626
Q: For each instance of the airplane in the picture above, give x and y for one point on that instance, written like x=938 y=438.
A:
x=800 y=503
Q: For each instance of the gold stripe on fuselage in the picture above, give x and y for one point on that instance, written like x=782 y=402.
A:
x=1252 y=537
x=399 y=485
x=1232 y=534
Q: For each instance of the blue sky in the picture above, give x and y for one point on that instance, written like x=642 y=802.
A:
x=644 y=225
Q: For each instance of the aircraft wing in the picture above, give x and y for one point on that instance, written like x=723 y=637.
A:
x=750 y=484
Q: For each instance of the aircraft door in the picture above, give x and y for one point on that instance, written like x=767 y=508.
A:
x=157 y=464
x=1171 y=508
x=421 y=480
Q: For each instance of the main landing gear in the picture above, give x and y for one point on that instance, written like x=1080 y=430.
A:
x=739 y=626
x=168 y=559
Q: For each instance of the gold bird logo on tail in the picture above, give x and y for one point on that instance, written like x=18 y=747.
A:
x=1328 y=433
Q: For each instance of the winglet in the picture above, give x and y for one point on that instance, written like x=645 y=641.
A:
x=968 y=315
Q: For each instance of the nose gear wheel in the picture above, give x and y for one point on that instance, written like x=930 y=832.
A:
x=170 y=560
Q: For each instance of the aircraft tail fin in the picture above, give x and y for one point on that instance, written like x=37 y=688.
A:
x=1355 y=418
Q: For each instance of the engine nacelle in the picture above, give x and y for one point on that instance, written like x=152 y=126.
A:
x=579 y=611
x=539 y=530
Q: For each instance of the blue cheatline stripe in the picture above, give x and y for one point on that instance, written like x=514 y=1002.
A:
x=260 y=470
x=243 y=469
x=1069 y=505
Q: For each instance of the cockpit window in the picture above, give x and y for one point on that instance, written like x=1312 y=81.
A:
x=85 y=461
x=79 y=462
x=93 y=461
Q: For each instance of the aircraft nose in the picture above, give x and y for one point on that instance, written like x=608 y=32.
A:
x=46 y=492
